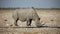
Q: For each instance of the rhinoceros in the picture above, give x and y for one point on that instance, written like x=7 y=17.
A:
x=26 y=15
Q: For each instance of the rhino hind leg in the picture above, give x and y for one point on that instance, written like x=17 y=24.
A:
x=15 y=23
x=29 y=22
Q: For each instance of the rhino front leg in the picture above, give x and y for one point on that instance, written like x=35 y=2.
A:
x=29 y=22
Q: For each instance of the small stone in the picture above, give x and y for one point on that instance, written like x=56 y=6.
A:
x=52 y=20
x=5 y=20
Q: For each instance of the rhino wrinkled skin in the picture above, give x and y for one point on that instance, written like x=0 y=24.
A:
x=26 y=15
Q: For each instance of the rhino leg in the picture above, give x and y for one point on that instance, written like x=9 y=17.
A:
x=15 y=17
x=29 y=22
x=15 y=23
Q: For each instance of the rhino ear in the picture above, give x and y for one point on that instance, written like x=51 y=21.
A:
x=32 y=7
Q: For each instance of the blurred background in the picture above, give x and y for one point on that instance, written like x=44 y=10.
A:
x=30 y=3
x=49 y=14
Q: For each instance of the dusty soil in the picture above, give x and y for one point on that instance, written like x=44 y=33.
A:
x=49 y=17
x=30 y=31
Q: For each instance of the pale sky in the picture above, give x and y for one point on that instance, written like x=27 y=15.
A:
x=30 y=3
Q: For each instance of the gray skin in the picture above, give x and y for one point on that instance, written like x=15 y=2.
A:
x=26 y=15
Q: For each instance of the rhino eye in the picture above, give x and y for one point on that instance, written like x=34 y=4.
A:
x=38 y=18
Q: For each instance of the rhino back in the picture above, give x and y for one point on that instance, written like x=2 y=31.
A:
x=26 y=13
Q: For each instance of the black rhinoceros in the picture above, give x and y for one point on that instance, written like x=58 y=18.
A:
x=26 y=15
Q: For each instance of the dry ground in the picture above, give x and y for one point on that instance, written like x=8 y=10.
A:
x=49 y=17
x=29 y=31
